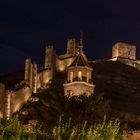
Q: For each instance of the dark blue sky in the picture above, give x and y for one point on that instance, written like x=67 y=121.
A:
x=27 y=26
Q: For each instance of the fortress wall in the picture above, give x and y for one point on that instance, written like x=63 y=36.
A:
x=2 y=97
x=19 y=98
x=27 y=69
x=62 y=64
x=49 y=57
x=71 y=46
x=44 y=77
x=47 y=76
x=34 y=78
x=39 y=80
x=7 y=104
x=133 y=63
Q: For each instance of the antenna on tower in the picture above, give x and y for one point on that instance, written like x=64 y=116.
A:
x=81 y=38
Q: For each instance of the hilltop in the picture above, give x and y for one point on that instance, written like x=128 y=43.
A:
x=119 y=83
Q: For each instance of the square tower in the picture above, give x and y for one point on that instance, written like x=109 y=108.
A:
x=124 y=50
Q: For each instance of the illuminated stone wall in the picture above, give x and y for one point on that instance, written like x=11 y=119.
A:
x=19 y=98
x=62 y=64
x=7 y=104
x=27 y=69
x=2 y=97
x=124 y=50
x=71 y=46
x=49 y=57
x=44 y=78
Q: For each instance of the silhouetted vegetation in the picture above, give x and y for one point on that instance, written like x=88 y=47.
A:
x=12 y=129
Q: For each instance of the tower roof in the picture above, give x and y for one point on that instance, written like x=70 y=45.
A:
x=80 y=60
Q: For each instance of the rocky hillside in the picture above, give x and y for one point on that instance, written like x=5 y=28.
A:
x=119 y=83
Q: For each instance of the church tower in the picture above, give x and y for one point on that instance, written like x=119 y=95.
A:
x=79 y=77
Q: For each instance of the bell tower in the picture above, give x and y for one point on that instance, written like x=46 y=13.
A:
x=79 y=77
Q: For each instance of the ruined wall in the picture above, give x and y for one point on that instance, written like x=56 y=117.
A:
x=124 y=50
x=2 y=97
x=47 y=76
x=44 y=77
x=78 y=88
x=71 y=46
x=28 y=75
x=27 y=69
x=130 y=62
x=34 y=84
x=19 y=98
x=62 y=64
x=7 y=104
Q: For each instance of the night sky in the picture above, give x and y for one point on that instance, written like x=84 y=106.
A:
x=27 y=26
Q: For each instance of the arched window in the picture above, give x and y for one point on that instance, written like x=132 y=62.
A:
x=71 y=76
x=80 y=75
x=87 y=77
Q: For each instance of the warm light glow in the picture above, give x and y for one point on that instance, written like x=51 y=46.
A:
x=8 y=105
x=88 y=77
x=80 y=75
x=62 y=67
x=71 y=76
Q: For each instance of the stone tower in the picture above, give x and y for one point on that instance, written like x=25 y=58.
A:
x=28 y=76
x=28 y=64
x=49 y=58
x=7 y=108
x=79 y=77
x=123 y=50
x=71 y=46
x=34 y=78
x=2 y=99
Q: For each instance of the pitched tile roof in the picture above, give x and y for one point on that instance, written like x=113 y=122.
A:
x=80 y=60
